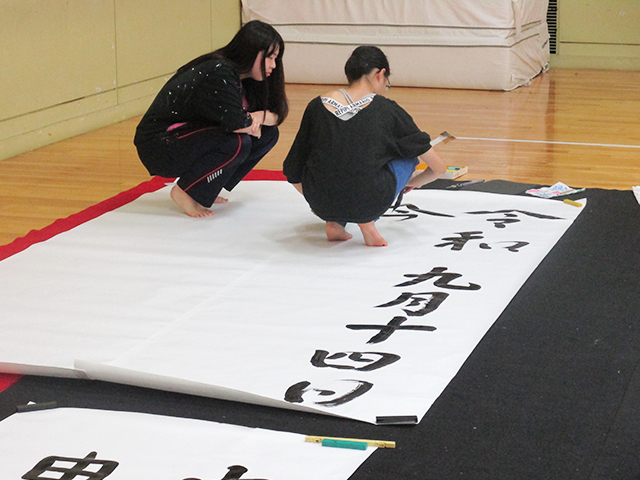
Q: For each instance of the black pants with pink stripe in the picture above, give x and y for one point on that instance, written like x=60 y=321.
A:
x=217 y=160
x=206 y=159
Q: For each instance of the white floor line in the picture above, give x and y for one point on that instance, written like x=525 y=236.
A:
x=548 y=142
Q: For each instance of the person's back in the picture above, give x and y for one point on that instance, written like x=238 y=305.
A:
x=346 y=174
x=356 y=150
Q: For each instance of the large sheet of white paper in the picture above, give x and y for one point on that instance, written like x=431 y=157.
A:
x=255 y=305
x=95 y=444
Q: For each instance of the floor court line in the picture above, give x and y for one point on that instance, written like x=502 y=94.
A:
x=550 y=142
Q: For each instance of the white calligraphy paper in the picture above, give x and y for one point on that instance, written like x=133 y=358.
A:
x=255 y=305
x=125 y=446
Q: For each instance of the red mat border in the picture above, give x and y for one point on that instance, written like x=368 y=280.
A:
x=8 y=379
x=72 y=221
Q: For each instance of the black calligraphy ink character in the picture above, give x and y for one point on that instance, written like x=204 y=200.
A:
x=405 y=210
x=322 y=359
x=506 y=220
x=387 y=330
x=444 y=280
x=511 y=216
x=427 y=301
x=513 y=248
x=354 y=389
x=71 y=468
x=457 y=243
x=234 y=473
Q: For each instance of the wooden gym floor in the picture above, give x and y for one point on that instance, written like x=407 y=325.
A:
x=580 y=127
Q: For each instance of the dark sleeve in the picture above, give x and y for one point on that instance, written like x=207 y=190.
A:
x=410 y=140
x=218 y=98
x=294 y=165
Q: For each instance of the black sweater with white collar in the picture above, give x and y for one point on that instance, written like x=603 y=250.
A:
x=342 y=165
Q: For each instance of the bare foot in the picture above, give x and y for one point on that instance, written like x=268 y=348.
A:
x=336 y=232
x=371 y=236
x=220 y=200
x=188 y=204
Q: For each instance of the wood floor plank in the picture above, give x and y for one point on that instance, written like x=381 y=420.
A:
x=580 y=127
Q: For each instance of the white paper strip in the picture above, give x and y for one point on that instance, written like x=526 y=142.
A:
x=124 y=446
x=255 y=305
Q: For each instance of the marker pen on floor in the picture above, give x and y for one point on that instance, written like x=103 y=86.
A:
x=329 y=442
x=571 y=202
x=464 y=184
x=370 y=443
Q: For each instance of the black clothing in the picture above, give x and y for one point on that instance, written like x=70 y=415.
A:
x=220 y=160
x=188 y=131
x=342 y=165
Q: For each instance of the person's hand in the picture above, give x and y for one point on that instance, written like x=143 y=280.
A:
x=256 y=124
x=266 y=117
x=414 y=182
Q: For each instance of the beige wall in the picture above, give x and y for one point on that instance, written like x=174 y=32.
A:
x=601 y=34
x=71 y=66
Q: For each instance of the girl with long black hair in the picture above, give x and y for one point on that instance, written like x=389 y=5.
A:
x=216 y=118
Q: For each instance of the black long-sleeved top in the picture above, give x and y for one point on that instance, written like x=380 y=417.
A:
x=342 y=165
x=207 y=95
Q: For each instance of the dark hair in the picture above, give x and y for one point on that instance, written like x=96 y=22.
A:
x=255 y=37
x=363 y=60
